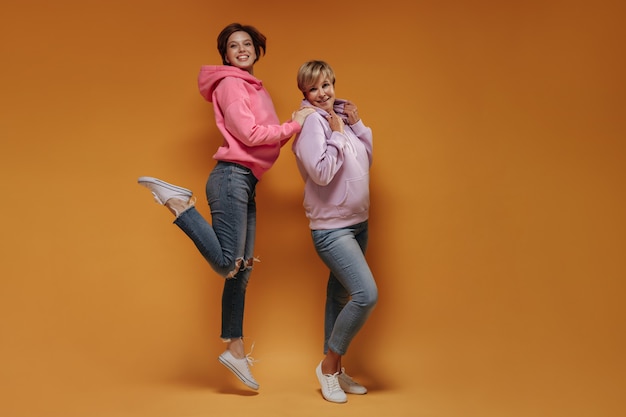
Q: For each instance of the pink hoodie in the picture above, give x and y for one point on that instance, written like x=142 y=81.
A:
x=245 y=114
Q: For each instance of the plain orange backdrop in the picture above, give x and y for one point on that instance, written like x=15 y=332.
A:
x=498 y=227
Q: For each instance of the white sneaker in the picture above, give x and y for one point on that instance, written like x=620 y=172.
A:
x=240 y=368
x=349 y=385
x=331 y=391
x=163 y=191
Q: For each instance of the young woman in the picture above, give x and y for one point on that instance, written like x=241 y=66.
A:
x=334 y=155
x=253 y=137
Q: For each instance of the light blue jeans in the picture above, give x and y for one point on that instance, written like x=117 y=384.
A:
x=351 y=293
x=228 y=244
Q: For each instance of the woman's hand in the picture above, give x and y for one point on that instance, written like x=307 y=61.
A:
x=349 y=108
x=335 y=122
x=301 y=114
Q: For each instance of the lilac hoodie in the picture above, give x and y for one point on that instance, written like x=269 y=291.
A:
x=335 y=169
x=245 y=114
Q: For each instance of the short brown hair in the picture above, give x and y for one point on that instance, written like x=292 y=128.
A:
x=258 y=39
x=311 y=71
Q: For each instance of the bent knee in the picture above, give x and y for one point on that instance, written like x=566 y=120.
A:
x=372 y=300
x=367 y=299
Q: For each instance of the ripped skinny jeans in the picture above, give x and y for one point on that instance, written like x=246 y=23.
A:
x=351 y=292
x=228 y=244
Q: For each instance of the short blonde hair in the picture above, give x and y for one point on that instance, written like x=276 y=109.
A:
x=311 y=71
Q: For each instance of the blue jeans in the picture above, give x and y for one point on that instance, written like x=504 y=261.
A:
x=351 y=293
x=228 y=245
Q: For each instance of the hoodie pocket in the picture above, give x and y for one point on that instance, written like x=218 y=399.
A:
x=356 y=198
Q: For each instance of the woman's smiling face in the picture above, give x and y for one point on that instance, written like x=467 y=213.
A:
x=240 y=51
x=321 y=94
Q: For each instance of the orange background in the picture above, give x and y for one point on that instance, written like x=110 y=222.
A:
x=497 y=227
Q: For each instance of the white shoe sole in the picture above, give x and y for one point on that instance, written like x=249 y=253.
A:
x=238 y=373
x=147 y=181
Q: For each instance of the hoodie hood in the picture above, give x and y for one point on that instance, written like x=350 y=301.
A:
x=211 y=75
x=337 y=107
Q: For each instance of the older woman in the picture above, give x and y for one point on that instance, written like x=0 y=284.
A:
x=334 y=155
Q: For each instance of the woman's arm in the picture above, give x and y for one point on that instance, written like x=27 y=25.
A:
x=319 y=149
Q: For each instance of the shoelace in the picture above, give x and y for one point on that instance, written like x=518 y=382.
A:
x=332 y=382
x=249 y=358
